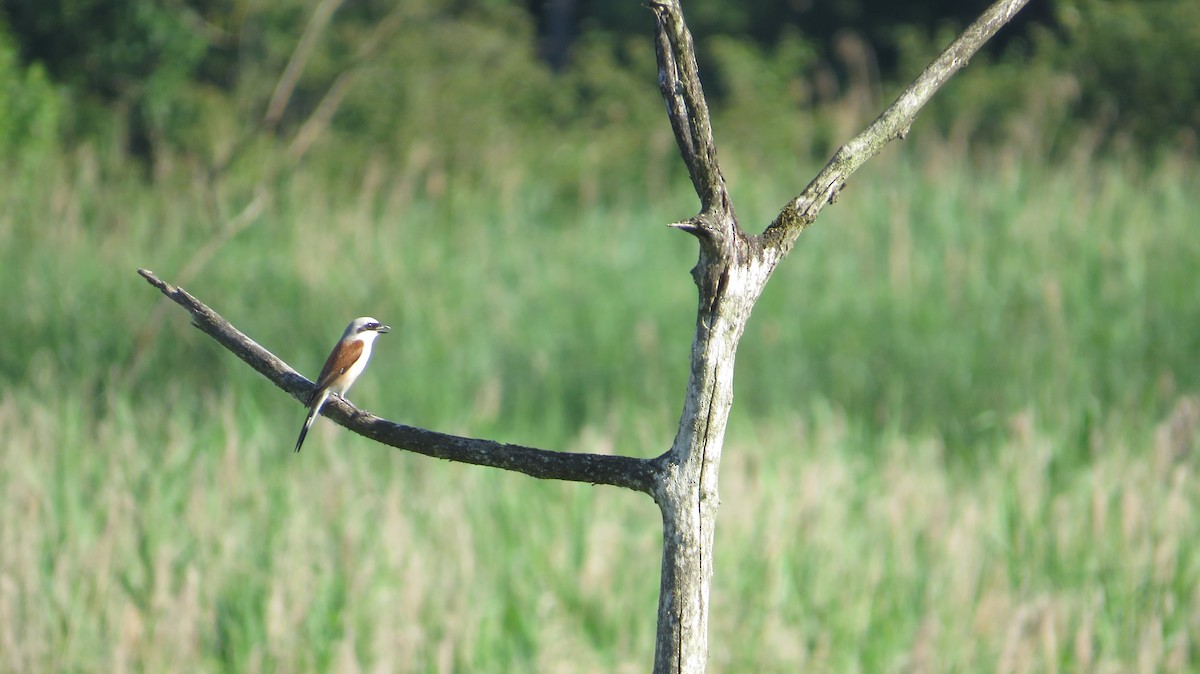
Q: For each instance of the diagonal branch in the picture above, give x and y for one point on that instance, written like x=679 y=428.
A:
x=679 y=81
x=893 y=123
x=318 y=121
x=295 y=66
x=619 y=471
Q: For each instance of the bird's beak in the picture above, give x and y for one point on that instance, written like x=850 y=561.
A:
x=384 y=328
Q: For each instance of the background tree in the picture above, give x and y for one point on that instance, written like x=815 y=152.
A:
x=164 y=81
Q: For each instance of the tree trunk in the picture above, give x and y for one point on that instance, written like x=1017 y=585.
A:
x=688 y=496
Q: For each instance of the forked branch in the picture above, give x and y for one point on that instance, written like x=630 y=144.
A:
x=619 y=471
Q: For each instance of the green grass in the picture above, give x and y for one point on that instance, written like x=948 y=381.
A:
x=965 y=434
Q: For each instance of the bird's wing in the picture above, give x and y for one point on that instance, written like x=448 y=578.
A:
x=343 y=356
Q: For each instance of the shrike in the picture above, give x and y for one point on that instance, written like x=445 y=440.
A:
x=345 y=363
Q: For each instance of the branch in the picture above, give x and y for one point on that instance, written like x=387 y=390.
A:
x=295 y=66
x=679 y=81
x=893 y=123
x=721 y=238
x=201 y=257
x=318 y=121
x=619 y=471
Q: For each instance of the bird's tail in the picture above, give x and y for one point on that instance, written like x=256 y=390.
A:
x=313 y=411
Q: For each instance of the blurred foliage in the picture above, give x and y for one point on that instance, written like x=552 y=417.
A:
x=29 y=117
x=1135 y=61
x=438 y=82
x=767 y=21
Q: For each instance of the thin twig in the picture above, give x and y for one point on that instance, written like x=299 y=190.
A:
x=295 y=66
x=318 y=121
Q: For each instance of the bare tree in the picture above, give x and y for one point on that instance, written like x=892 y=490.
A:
x=732 y=270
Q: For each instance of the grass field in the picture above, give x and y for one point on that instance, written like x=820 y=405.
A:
x=965 y=436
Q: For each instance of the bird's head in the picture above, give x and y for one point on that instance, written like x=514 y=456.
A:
x=366 y=328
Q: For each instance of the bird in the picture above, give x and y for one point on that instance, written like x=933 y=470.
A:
x=347 y=360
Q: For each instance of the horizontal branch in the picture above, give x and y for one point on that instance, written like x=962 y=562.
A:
x=619 y=471
x=892 y=124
